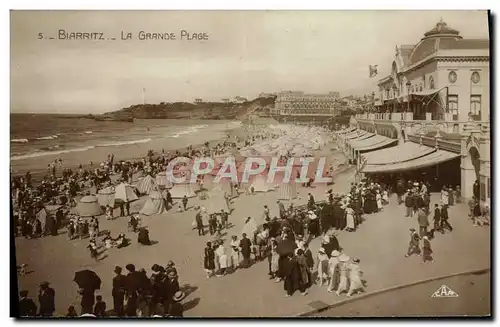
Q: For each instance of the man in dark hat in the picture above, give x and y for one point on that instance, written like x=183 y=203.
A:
x=118 y=292
x=246 y=250
x=171 y=287
x=27 y=307
x=46 y=298
x=311 y=203
x=132 y=296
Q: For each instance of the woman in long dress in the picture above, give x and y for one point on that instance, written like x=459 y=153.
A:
x=274 y=259
x=355 y=273
x=333 y=270
x=343 y=270
x=235 y=253
x=444 y=196
x=209 y=260
x=322 y=267
x=378 y=197
x=350 y=219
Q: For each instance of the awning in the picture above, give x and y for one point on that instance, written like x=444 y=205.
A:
x=400 y=153
x=376 y=146
x=432 y=159
x=368 y=143
x=356 y=134
x=349 y=130
x=425 y=92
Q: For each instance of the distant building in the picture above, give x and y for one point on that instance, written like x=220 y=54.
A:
x=266 y=95
x=225 y=100
x=198 y=100
x=296 y=102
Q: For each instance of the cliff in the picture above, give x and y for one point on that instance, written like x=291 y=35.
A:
x=202 y=110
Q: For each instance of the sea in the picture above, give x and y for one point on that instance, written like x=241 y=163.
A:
x=39 y=136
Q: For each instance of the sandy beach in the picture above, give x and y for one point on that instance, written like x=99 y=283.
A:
x=55 y=259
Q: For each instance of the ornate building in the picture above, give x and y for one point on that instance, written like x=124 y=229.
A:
x=442 y=77
x=295 y=102
x=438 y=95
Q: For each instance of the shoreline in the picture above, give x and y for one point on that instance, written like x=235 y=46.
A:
x=130 y=152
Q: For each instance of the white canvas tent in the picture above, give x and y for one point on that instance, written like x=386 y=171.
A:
x=88 y=206
x=154 y=205
x=106 y=196
x=146 y=185
x=125 y=192
x=260 y=184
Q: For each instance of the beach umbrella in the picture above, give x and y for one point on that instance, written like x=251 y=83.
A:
x=88 y=206
x=125 y=192
x=87 y=279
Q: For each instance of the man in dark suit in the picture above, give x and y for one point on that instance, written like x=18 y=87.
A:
x=437 y=219
x=282 y=210
x=46 y=298
x=27 y=307
x=311 y=203
x=118 y=292
x=444 y=219
x=408 y=204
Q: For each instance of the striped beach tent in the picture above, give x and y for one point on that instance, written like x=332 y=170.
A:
x=146 y=185
x=287 y=191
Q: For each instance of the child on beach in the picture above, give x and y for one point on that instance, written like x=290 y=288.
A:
x=427 y=250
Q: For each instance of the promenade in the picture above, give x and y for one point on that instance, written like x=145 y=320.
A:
x=380 y=243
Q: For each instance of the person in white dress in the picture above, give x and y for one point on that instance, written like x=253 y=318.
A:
x=444 y=196
x=343 y=272
x=355 y=273
x=350 y=219
x=385 y=197
x=322 y=267
x=379 y=200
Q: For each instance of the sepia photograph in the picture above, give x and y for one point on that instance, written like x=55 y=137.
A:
x=250 y=163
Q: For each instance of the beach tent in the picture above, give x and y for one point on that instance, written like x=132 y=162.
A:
x=88 y=206
x=146 y=185
x=260 y=184
x=179 y=190
x=125 y=192
x=106 y=197
x=287 y=191
x=162 y=180
x=154 y=205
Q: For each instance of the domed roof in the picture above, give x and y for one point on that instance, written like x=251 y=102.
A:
x=430 y=43
x=442 y=29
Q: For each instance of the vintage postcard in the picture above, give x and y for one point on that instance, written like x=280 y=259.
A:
x=250 y=163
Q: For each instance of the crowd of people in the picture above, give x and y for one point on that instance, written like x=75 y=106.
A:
x=134 y=295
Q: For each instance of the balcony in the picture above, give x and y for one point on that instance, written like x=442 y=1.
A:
x=423 y=127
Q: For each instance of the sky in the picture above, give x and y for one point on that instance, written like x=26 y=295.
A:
x=247 y=52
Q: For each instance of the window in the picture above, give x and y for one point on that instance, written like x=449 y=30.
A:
x=431 y=83
x=452 y=77
x=420 y=88
x=453 y=105
x=475 y=78
x=475 y=106
x=423 y=78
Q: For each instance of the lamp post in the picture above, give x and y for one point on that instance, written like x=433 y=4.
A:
x=408 y=86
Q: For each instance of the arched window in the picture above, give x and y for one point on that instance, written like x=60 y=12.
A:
x=420 y=88
x=431 y=83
